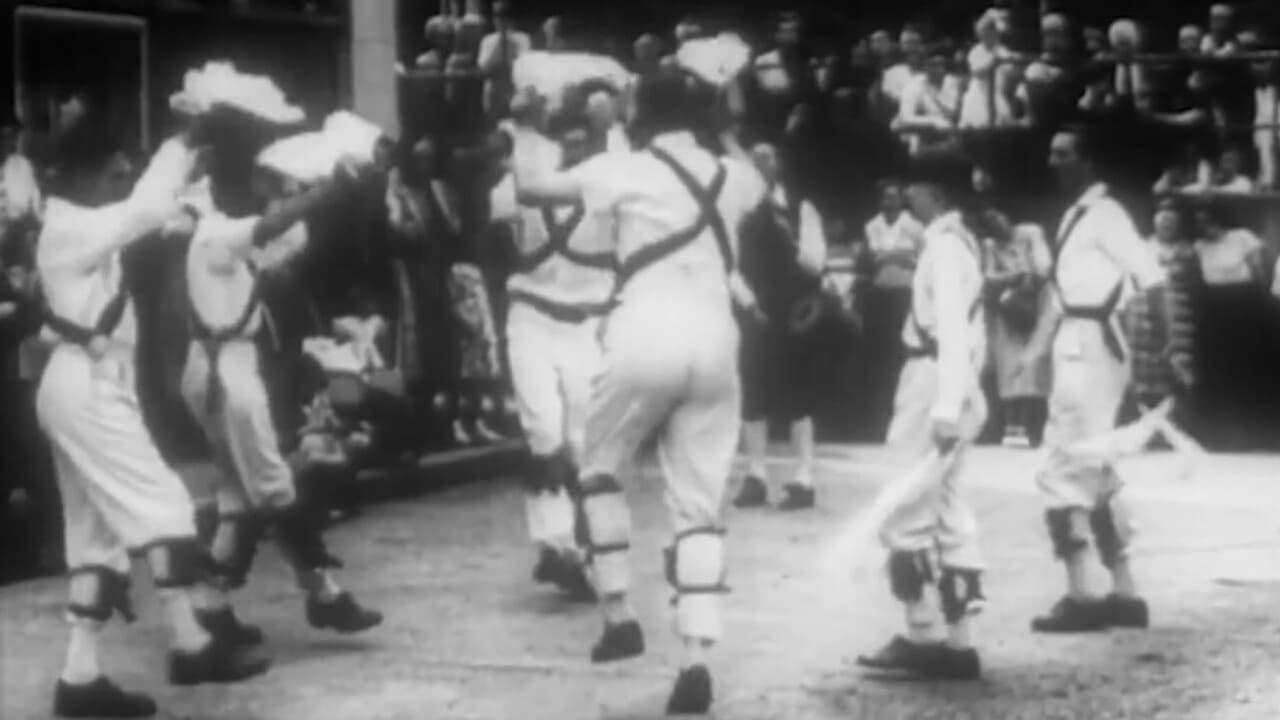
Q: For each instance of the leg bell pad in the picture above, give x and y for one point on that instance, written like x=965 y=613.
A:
x=1105 y=534
x=695 y=566
x=960 y=593
x=232 y=571
x=299 y=532
x=179 y=563
x=605 y=526
x=909 y=571
x=110 y=595
x=1066 y=542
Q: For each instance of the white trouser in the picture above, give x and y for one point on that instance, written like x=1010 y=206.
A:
x=552 y=366
x=1088 y=387
x=940 y=518
x=670 y=369
x=240 y=429
x=118 y=494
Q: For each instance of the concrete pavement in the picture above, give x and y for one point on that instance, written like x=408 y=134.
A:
x=469 y=637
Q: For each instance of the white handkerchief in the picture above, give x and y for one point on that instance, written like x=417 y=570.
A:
x=716 y=60
x=219 y=83
x=307 y=157
x=352 y=135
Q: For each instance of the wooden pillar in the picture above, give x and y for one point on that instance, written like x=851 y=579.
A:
x=373 y=58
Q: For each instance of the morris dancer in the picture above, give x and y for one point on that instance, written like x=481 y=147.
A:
x=559 y=292
x=224 y=389
x=1099 y=257
x=118 y=495
x=934 y=559
x=780 y=378
x=670 y=346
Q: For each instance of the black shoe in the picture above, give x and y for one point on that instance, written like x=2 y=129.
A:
x=692 y=692
x=1126 y=612
x=1071 y=615
x=754 y=493
x=619 y=642
x=100 y=699
x=943 y=662
x=899 y=654
x=216 y=663
x=226 y=628
x=799 y=497
x=548 y=570
x=342 y=614
x=575 y=583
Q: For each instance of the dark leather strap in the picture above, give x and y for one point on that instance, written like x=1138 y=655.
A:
x=708 y=216
x=110 y=318
x=1102 y=315
x=559 y=235
x=572 y=313
x=214 y=339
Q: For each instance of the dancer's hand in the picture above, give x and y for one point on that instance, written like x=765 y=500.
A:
x=946 y=434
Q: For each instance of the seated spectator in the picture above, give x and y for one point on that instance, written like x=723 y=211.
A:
x=1129 y=88
x=553 y=39
x=689 y=28
x=985 y=103
x=929 y=109
x=1228 y=176
x=1221 y=39
x=1190 y=40
x=429 y=61
x=493 y=53
x=1189 y=172
x=646 y=53
x=1050 y=88
x=899 y=76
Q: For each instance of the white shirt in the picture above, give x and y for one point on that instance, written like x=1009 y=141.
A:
x=924 y=105
x=650 y=204
x=19 y=189
x=220 y=281
x=812 y=239
x=78 y=253
x=1226 y=261
x=895 y=80
x=945 y=304
x=558 y=278
x=1098 y=250
x=905 y=233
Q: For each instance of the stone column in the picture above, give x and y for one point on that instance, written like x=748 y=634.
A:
x=373 y=59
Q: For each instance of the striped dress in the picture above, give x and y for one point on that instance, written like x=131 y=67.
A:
x=1151 y=340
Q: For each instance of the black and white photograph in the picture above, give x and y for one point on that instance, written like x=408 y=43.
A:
x=567 y=360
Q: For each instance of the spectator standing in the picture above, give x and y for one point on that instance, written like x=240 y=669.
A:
x=1190 y=40
x=1221 y=39
x=986 y=103
x=553 y=39
x=894 y=241
x=1266 y=119
x=441 y=28
x=929 y=109
x=19 y=188
x=1228 y=175
x=1016 y=264
x=899 y=76
x=1235 y=378
x=1051 y=86
x=471 y=27
x=646 y=54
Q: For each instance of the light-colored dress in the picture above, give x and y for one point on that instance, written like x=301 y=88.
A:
x=1014 y=314
x=988 y=76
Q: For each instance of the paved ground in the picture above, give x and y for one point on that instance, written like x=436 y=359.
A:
x=469 y=637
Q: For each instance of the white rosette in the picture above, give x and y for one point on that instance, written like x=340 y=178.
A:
x=313 y=156
x=717 y=60
x=219 y=83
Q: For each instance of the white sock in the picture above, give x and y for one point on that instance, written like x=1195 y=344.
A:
x=922 y=618
x=188 y=636
x=557 y=518
x=81 y=667
x=321 y=585
x=755 y=438
x=696 y=652
x=534 y=513
x=802 y=443
x=959 y=634
x=616 y=609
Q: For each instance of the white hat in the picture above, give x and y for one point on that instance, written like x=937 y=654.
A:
x=313 y=156
x=549 y=74
x=219 y=83
x=715 y=60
